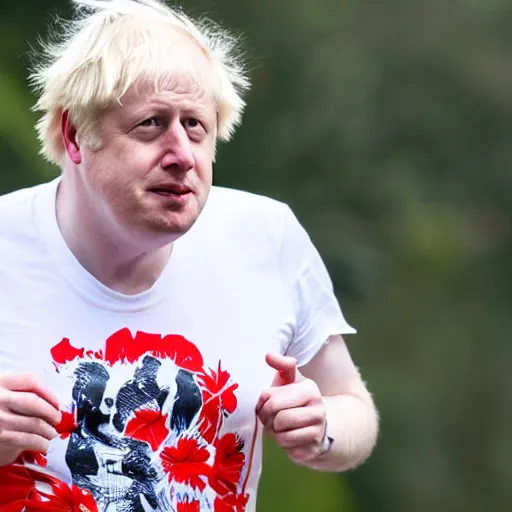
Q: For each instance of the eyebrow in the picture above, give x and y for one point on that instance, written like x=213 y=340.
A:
x=160 y=104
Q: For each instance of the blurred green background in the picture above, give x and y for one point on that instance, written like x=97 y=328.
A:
x=386 y=125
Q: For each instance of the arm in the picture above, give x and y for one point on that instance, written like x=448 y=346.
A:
x=328 y=389
x=325 y=399
x=351 y=416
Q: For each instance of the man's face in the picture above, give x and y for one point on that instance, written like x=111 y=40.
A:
x=153 y=171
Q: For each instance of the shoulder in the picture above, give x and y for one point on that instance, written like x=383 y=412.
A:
x=15 y=204
x=229 y=201
x=248 y=216
x=241 y=227
x=17 y=198
x=17 y=220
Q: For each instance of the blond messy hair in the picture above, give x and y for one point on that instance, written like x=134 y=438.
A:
x=108 y=47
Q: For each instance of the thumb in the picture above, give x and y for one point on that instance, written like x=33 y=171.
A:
x=285 y=366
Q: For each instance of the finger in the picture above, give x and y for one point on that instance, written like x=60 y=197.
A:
x=303 y=454
x=299 y=394
x=306 y=437
x=24 y=441
x=285 y=366
x=28 y=383
x=299 y=417
x=267 y=394
x=29 y=404
x=27 y=424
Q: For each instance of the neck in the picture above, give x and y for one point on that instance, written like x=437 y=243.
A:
x=118 y=261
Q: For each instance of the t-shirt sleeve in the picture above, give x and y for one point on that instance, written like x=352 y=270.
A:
x=317 y=312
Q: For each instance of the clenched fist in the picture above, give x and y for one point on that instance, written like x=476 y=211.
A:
x=293 y=412
x=29 y=412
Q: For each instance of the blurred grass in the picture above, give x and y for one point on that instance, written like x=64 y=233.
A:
x=285 y=486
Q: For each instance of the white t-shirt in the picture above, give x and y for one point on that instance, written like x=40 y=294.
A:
x=159 y=388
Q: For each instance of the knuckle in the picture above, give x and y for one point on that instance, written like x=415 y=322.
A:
x=279 y=422
x=271 y=406
x=265 y=395
x=33 y=442
x=38 y=425
x=45 y=444
x=312 y=387
x=319 y=415
x=56 y=417
x=307 y=393
x=41 y=445
x=47 y=431
x=276 y=408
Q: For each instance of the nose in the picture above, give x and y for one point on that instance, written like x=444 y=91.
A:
x=178 y=149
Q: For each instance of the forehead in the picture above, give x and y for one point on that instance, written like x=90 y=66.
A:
x=173 y=92
x=184 y=74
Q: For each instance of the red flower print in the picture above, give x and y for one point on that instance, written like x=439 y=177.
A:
x=31 y=458
x=62 y=499
x=231 y=503
x=148 y=425
x=218 y=396
x=65 y=352
x=123 y=347
x=189 y=506
x=19 y=492
x=17 y=486
x=98 y=354
x=67 y=424
x=228 y=464
x=185 y=463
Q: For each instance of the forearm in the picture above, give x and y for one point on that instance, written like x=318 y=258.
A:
x=352 y=424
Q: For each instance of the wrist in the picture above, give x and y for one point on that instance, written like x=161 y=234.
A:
x=327 y=441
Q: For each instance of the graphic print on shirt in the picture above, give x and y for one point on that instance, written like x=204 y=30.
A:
x=144 y=433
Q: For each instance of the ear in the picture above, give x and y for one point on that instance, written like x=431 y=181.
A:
x=69 y=138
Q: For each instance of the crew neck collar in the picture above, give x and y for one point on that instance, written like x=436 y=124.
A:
x=84 y=283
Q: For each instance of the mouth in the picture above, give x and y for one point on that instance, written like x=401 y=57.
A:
x=172 y=190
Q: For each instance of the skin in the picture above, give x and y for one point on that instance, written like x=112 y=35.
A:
x=120 y=206
x=118 y=215
x=29 y=413
x=154 y=141
x=326 y=397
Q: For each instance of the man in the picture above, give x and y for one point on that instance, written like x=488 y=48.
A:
x=153 y=326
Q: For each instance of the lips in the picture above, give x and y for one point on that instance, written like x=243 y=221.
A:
x=171 y=188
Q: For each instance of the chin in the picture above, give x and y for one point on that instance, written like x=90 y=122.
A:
x=164 y=224
x=173 y=228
